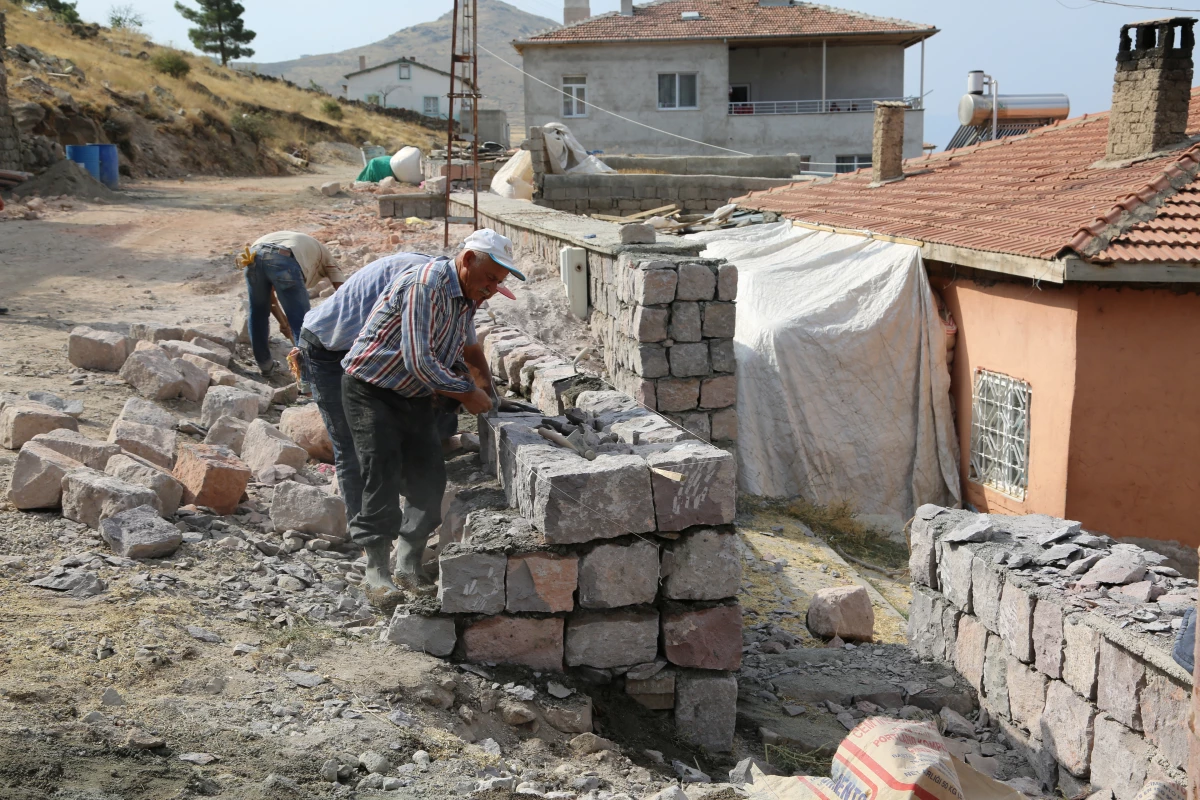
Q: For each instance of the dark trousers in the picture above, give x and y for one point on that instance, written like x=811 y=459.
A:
x=399 y=451
x=273 y=270
x=324 y=369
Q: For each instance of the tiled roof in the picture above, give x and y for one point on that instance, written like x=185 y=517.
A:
x=726 y=19
x=1037 y=195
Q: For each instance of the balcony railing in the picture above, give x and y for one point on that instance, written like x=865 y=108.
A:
x=815 y=106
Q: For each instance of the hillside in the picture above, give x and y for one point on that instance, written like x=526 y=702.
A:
x=109 y=87
x=429 y=43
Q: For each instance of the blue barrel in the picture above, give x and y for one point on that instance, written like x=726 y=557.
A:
x=86 y=155
x=110 y=165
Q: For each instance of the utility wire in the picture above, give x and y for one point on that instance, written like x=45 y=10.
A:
x=1137 y=5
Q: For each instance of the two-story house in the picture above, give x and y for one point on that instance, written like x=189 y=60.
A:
x=756 y=76
x=401 y=83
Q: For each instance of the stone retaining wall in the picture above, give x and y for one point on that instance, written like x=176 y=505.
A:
x=10 y=144
x=1065 y=635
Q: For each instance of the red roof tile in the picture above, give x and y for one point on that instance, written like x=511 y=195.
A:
x=726 y=19
x=1037 y=195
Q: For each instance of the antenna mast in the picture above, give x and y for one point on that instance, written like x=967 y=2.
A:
x=464 y=87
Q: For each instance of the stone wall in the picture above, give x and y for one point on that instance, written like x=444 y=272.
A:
x=10 y=145
x=624 y=567
x=1065 y=635
x=1151 y=88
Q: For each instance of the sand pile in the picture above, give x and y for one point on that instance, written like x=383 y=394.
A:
x=67 y=177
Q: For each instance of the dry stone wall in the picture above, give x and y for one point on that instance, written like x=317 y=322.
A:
x=1065 y=635
x=10 y=144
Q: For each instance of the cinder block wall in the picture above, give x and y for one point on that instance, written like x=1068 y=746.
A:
x=10 y=145
x=1067 y=638
x=413 y=204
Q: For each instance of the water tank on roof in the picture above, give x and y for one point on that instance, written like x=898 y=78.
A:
x=976 y=109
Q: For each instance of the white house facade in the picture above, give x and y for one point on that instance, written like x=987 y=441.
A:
x=402 y=83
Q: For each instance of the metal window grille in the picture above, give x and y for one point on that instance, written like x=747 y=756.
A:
x=1000 y=433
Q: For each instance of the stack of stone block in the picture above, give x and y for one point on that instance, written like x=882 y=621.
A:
x=667 y=325
x=1067 y=638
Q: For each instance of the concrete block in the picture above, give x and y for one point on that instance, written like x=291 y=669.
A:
x=1120 y=679
x=21 y=421
x=724 y=425
x=1081 y=656
x=705 y=495
x=534 y=643
x=150 y=372
x=265 y=446
x=720 y=355
x=140 y=533
x=970 y=649
x=433 y=635
x=573 y=500
x=212 y=476
x=727 y=282
x=195 y=380
x=92 y=453
x=1120 y=759
x=1048 y=638
x=688 y=360
x=90 y=496
x=228 y=432
x=152 y=332
x=611 y=639
x=309 y=509
x=685 y=322
x=954 y=574
x=614 y=575
x=1066 y=728
x=98 y=350
x=702 y=565
x=706 y=709
x=719 y=392
x=986 y=586
x=1164 y=713
x=471 y=583
x=719 y=320
x=228 y=401
x=541 y=582
x=696 y=282
x=304 y=426
x=709 y=638
x=995 y=676
x=155 y=444
x=1026 y=695
x=653 y=287
x=1016 y=621
x=143 y=473
x=37 y=476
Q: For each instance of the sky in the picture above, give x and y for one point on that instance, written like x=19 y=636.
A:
x=1030 y=46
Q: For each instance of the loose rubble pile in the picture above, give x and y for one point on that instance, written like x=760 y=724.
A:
x=1065 y=635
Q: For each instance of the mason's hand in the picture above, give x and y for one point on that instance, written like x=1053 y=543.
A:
x=477 y=402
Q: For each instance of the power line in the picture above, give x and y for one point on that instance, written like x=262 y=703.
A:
x=1137 y=5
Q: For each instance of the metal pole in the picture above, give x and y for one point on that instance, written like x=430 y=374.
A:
x=475 y=95
x=995 y=103
x=824 y=108
x=450 y=120
x=922 y=74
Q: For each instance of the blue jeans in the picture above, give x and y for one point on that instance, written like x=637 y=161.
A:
x=324 y=370
x=271 y=268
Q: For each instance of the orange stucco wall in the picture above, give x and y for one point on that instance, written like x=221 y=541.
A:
x=1026 y=333
x=1134 y=466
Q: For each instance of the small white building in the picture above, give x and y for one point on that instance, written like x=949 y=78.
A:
x=402 y=83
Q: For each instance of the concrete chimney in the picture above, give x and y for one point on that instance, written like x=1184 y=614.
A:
x=626 y=8
x=362 y=63
x=576 y=11
x=1152 y=87
x=887 y=143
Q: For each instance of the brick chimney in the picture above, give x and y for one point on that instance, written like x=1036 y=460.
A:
x=1152 y=88
x=362 y=63
x=887 y=143
x=576 y=11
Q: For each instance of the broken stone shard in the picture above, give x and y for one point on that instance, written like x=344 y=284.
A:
x=140 y=533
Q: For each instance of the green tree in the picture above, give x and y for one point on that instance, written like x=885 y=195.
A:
x=63 y=11
x=219 y=28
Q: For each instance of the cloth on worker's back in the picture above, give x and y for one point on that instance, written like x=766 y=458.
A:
x=416 y=334
x=325 y=377
x=314 y=258
x=376 y=170
x=843 y=389
x=272 y=269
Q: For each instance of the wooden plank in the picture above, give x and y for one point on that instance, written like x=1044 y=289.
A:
x=608 y=218
x=652 y=212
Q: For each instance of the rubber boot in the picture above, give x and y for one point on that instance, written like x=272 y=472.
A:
x=377 y=573
x=409 y=575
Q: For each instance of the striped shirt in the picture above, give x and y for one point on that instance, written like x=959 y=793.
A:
x=415 y=334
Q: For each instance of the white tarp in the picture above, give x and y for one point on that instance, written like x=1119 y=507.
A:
x=567 y=154
x=843 y=390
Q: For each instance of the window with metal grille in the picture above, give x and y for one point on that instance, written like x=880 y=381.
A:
x=1000 y=433
x=574 y=96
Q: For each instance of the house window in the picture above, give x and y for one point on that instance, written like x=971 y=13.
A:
x=574 y=95
x=405 y=72
x=372 y=99
x=432 y=106
x=1000 y=433
x=677 y=90
x=851 y=163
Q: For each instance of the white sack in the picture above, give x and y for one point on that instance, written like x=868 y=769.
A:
x=406 y=165
x=843 y=389
x=590 y=166
x=567 y=154
x=515 y=179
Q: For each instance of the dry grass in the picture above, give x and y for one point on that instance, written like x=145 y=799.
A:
x=642 y=171
x=101 y=62
x=836 y=523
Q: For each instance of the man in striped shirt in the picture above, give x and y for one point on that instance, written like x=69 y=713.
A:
x=408 y=356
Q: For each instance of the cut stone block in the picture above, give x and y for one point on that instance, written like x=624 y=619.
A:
x=263 y=391
x=150 y=372
x=922 y=559
x=90 y=496
x=614 y=639
x=705 y=495
x=1016 y=621
x=954 y=574
x=724 y=425
x=215 y=347
x=433 y=635
x=1048 y=638
x=92 y=453
x=21 y=421
x=1066 y=727
x=970 y=648
x=156 y=445
x=304 y=426
x=541 y=582
x=195 y=380
x=228 y=432
x=709 y=638
x=1120 y=679
x=140 y=533
x=572 y=500
x=37 y=477
x=1026 y=695
x=685 y=322
x=176 y=349
x=843 y=611
x=702 y=565
x=265 y=446
x=678 y=394
x=228 y=401
x=614 y=575
x=925 y=634
x=308 y=509
x=696 y=282
x=471 y=583
x=1120 y=759
x=653 y=287
x=146 y=412
x=986 y=586
x=223 y=335
x=995 y=675
x=133 y=470
x=1164 y=714
x=151 y=332
x=534 y=643
x=706 y=709
x=100 y=350
x=727 y=282
x=212 y=476
x=688 y=360
x=719 y=320
x=1081 y=656
x=547 y=386
x=719 y=392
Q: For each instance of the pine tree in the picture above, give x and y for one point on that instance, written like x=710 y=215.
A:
x=219 y=28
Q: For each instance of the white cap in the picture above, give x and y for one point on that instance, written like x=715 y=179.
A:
x=490 y=243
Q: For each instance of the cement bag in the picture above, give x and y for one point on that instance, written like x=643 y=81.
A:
x=406 y=165
x=888 y=759
x=564 y=149
x=515 y=179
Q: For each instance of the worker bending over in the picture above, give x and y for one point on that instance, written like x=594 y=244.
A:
x=411 y=350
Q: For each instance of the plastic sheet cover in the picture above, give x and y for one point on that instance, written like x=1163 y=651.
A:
x=843 y=388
